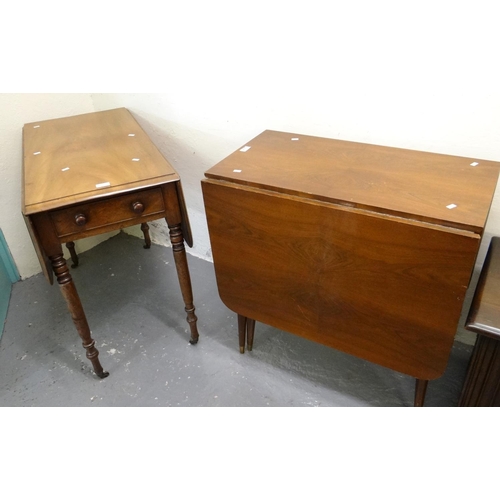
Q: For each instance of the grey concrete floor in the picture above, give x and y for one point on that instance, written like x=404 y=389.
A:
x=134 y=308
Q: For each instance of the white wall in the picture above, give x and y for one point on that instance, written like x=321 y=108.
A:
x=15 y=111
x=418 y=75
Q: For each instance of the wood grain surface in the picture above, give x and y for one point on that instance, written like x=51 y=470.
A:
x=484 y=314
x=79 y=158
x=379 y=287
x=482 y=382
x=402 y=182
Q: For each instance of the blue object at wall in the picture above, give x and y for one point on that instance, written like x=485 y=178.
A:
x=8 y=275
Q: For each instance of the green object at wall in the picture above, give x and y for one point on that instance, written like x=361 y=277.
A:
x=8 y=275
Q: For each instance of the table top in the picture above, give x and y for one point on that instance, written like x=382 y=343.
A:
x=80 y=158
x=484 y=314
x=441 y=189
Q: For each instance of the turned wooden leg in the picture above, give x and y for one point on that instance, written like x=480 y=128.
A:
x=181 y=264
x=145 y=230
x=420 y=388
x=70 y=294
x=74 y=258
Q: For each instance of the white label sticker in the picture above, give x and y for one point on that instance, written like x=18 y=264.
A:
x=245 y=149
x=135 y=159
x=131 y=135
x=236 y=170
x=474 y=164
x=64 y=169
x=36 y=126
x=295 y=138
x=37 y=153
x=451 y=206
x=103 y=185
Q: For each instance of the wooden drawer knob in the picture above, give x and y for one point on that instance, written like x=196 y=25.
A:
x=138 y=207
x=80 y=220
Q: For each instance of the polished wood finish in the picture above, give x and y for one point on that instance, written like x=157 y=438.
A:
x=482 y=382
x=89 y=174
x=70 y=294
x=72 y=160
x=147 y=238
x=484 y=313
x=246 y=328
x=410 y=184
x=250 y=333
x=323 y=271
x=74 y=257
x=349 y=245
x=174 y=216
x=242 y=332
x=420 y=390
x=113 y=213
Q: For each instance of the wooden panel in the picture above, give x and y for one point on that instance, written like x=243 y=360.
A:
x=378 y=287
x=186 y=226
x=482 y=382
x=43 y=258
x=80 y=158
x=484 y=314
x=107 y=212
x=402 y=182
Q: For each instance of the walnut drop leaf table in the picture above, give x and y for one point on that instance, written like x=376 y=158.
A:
x=367 y=249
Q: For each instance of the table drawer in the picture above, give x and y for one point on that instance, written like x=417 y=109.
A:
x=108 y=212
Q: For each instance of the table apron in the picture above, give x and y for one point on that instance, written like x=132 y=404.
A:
x=107 y=215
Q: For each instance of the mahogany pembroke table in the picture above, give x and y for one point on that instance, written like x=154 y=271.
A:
x=363 y=248
x=89 y=174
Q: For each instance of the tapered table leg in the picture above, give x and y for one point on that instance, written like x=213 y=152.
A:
x=70 y=294
x=420 y=389
x=242 y=332
x=246 y=328
x=250 y=332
